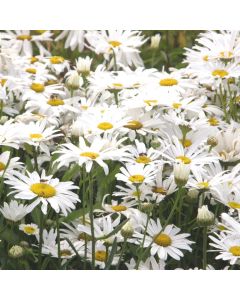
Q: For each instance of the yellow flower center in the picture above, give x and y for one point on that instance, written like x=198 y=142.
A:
x=3 y=81
x=117 y=85
x=184 y=159
x=186 y=143
x=119 y=208
x=29 y=229
x=65 y=253
x=234 y=204
x=23 y=37
x=163 y=240
x=37 y=87
x=235 y=250
x=168 y=82
x=43 y=190
x=2 y=166
x=226 y=54
x=151 y=102
x=221 y=227
x=101 y=255
x=159 y=190
x=91 y=155
x=205 y=57
x=176 y=105
x=31 y=70
x=50 y=82
x=33 y=59
x=143 y=159
x=105 y=126
x=220 y=73
x=136 y=178
x=213 y=121
x=55 y=102
x=134 y=125
x=203 y=185
x=115 y=43
x=55 y=60
x=36 y=136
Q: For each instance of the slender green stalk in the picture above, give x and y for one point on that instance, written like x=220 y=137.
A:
x=175 y=205
x=143 y=241
x=40 y=241
x=35 y=154
x=92 y=220
x=121 y=253
x=58 y=243
x=205 y=247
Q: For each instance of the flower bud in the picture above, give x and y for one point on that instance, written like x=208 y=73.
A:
x=146 y=207
x=212 y=141
x=73 y=81
x=192 y=194
x=24 y=244
x=155 y=40
x=84 y=65
x=127 y=230
x=205 y=217
x=181 y=173
x=16 y=251
x=155 y=143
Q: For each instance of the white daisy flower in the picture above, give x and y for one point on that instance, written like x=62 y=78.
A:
x=45 y=190
x=29 y=229
x=13 y=211
x=166 y=241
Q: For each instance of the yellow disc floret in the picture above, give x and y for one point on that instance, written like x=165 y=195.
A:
x=163 y=240
x=42 y=189
x=168 y=82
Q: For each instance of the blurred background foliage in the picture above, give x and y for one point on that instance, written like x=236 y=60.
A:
x=169 y=54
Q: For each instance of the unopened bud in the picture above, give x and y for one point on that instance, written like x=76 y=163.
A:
x=16 y=251
x=155 y=143
x=73 y=81
x=24 y=244
x=181 y=173
x=84 y=65
x=127 y=230
x=192 y=194
x=146 y=207
x=212 y=141
x=155 y=40
x=205 y=217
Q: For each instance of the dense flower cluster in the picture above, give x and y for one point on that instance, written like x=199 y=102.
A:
x=107 y=164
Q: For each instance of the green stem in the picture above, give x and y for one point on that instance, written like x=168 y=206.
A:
x=92 y=220
x=40 y=241
x=204 y=248
x=142 y=244
x=179 y=195
x=121 y=253
x=58 y=243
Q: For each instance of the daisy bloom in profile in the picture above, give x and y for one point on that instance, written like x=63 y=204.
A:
x=98 y=151
x=13 y=211
x=9 y=135
x=44 y=190
x=137 y=174
x=29 y=229
x=23 y=40
x=123 y=44
x=74 y=39
x=166 y=241
x=8 y=165
x=38 y=134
